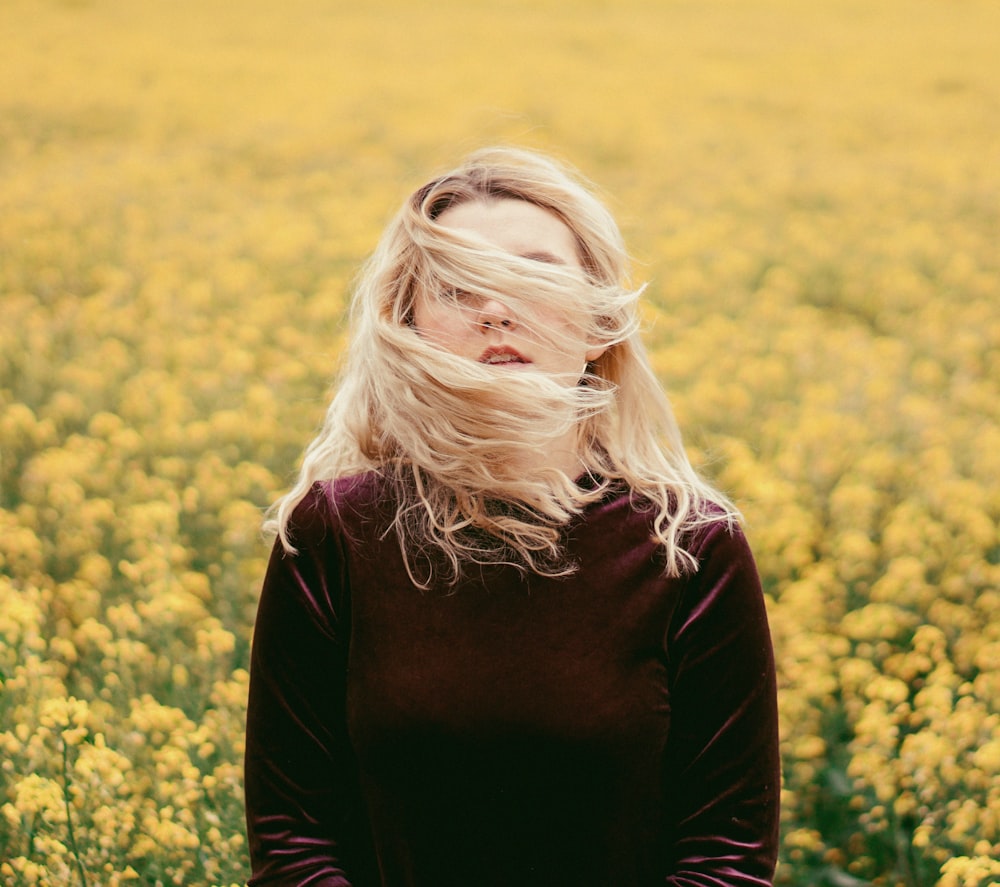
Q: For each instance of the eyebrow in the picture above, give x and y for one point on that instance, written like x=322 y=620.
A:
x=543 y=257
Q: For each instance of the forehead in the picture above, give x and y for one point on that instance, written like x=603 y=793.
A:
x=515 y=226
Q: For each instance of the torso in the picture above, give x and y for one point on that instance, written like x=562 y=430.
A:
x=510 y=708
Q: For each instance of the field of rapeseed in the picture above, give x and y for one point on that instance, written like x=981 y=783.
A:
x=186 y=188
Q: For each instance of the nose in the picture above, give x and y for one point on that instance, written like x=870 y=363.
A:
x=493 y=313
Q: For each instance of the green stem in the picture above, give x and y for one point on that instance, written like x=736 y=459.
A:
x=69 y=817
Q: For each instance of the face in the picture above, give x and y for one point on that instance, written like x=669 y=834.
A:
x=489 y=330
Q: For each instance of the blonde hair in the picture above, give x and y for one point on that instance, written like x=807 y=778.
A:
x=455 y=442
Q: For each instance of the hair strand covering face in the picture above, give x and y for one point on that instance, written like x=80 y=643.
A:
x=458 y=442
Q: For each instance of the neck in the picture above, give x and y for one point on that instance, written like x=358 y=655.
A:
x=563 y=454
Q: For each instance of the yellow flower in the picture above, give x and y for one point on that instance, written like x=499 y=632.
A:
x=828 y=329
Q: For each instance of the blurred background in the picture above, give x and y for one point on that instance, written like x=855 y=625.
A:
x=811 y=191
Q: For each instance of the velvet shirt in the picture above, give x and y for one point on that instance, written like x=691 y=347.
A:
x=611 y=728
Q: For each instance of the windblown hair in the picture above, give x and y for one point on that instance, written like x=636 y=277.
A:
x=456 y=438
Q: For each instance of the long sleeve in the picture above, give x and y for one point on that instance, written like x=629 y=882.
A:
x=722 y=755
x=303 y=811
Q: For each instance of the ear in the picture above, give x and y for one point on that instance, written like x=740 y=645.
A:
x=595 y=352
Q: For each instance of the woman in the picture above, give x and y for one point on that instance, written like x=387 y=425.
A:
x=507 y=635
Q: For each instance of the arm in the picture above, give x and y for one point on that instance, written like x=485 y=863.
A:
x=722 y=762
x=302 y=805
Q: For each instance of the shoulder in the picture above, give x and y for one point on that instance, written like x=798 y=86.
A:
x=704 y=530
x=703 y=537
x=335 y=507
x=718 y=536
x=726 y=575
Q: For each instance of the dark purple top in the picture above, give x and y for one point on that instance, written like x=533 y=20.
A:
x=616 y=727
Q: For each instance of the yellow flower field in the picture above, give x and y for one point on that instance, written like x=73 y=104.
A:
x=186 y=189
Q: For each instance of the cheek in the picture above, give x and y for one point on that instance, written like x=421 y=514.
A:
x=427 y=316
x=572 y=332
x=442 y=325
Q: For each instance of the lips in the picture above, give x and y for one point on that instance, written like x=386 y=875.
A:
x=502 y=355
